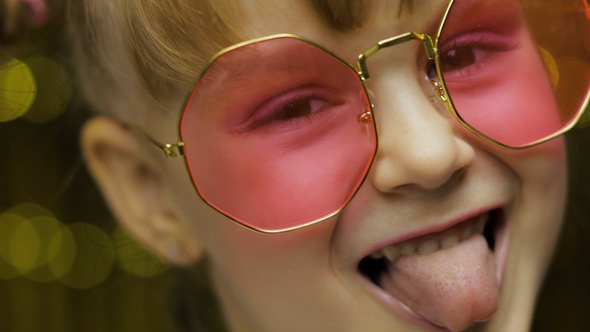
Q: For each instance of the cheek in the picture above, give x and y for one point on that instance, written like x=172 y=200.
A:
x=537 y=214
x=250 y=260
x=542 y=168
x=541 y=173
x=255 y=271
x=278 y=186
x=274 y=280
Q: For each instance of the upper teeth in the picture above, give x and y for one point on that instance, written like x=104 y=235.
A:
x=432 y=242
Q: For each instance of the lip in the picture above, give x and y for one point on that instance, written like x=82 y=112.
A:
x=500 y=254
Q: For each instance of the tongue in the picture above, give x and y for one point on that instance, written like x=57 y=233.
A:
x=451 y=288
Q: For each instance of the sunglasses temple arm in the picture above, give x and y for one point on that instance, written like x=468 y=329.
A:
x=170 y=150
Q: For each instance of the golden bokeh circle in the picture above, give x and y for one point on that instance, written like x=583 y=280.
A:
x=17 y=89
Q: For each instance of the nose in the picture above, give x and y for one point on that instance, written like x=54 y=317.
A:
x=419 y=146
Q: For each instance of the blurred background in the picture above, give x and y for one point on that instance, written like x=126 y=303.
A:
x=65 y=265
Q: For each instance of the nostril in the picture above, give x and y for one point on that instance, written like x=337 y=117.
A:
x=421 y=170
x=418 y=148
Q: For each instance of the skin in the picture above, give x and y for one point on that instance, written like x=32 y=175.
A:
x=429 y=171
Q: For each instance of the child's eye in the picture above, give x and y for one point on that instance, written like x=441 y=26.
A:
x=294 y=109
x=301 y=107
x=473 y=51
x=458 y=58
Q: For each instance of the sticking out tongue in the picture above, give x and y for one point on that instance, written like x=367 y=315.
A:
x=451 y=287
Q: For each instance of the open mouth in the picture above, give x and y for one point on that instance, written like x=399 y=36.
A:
x=449 y=278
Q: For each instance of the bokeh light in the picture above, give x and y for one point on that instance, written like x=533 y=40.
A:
x=62 y=249
x=28 y=245
x=17 y=89
x=24 y=247
x=8 y=224
x=58 y=269
x=30 y=210
x=46 y=228
x=54 y=89
x=94 y=257
x=36 y=245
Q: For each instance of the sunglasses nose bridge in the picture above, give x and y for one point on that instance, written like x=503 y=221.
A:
x=431 y=51
x=432 y=87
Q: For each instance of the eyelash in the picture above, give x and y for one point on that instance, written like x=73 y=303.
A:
x=276 y=110
x=476 y=42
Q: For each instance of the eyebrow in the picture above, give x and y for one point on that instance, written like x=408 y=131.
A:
x=346 y=15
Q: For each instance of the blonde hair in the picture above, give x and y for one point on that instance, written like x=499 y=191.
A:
x=138 y=48
x=133 y=48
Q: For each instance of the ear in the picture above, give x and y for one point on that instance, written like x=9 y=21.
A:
x=135 y=189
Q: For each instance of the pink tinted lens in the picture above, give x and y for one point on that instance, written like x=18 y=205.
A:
x=273 y=137
x=517 y=71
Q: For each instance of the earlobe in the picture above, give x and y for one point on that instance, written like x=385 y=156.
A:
x=134 y=187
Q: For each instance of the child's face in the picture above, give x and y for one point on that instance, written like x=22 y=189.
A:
x=430 y=184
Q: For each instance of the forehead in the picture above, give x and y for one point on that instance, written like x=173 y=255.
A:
x=337 y=18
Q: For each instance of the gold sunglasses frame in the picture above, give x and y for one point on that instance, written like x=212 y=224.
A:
x=362 y=71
